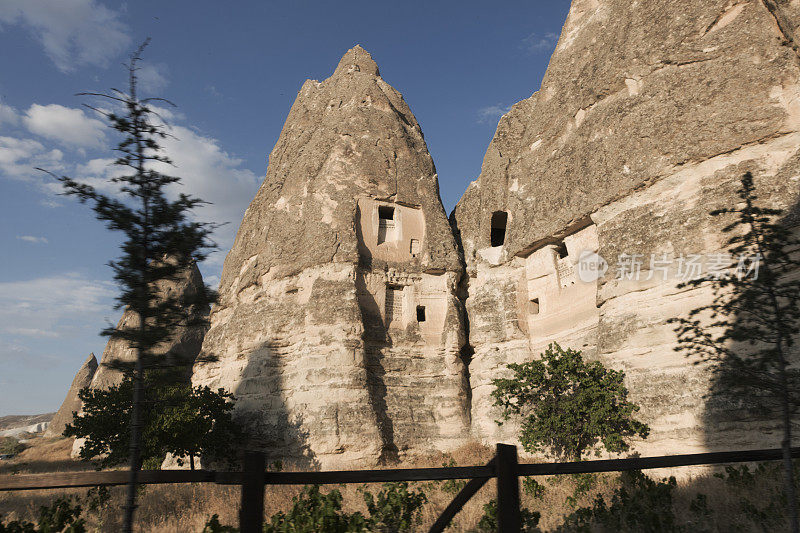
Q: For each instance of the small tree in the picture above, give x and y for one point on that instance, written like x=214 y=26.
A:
x=568 y=406
x=754 y=318
x=10 y=446
x=161 y=242
x=181 y=420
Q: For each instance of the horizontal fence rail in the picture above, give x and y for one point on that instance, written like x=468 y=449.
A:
x=647 y=463
x=504 y=467
x=61 y=480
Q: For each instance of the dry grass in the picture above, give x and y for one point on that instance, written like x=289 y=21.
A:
x=185 y=508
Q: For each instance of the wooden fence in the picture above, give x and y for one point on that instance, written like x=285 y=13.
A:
x=504 y=466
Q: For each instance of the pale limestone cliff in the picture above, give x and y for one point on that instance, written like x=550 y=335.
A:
x=338 y=328
x=647 y=116
x=72 y=403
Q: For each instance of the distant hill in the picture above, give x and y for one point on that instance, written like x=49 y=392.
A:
x=17 y=421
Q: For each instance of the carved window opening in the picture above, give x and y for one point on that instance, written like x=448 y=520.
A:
x=414 y=247
x=394 y=303
x=386 y=224
x=564 y=266
x=498 y=228
x=420 y=313
x=533 y=306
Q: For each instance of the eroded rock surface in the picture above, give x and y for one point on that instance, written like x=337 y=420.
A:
x=647 y=117
x=181 y=349
x=72 y=403
x=338 y=327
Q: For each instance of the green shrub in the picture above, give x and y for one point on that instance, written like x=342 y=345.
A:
x=640 y=504
x=488 y=522
x=313 y=511
x=568 y=406
x=395 y=508
x=11 y=446
x=61 y=517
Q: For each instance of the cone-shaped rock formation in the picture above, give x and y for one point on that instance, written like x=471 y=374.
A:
x=647 y=117
x=338 y=328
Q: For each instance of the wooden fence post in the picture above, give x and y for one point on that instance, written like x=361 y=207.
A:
x=251 y=513
x=508 y=515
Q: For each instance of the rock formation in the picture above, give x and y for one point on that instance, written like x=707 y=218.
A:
x=646 y=118
x=338 y=327
x=181 y=349
x=72 y=403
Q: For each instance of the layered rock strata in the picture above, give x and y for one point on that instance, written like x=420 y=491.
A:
x=648 y=115
x=338 y=327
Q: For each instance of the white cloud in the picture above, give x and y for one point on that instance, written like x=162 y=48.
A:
x=492 y=112
x=33 y=239
x=8 y=115
x=536 y=42
x=19 y=157
x=210 y=173
x=73 y=32
x=52 y=305
x=152 y=77
x=66 y=125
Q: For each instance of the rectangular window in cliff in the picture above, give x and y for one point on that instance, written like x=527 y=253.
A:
x=533 y=306
x=394 y=304
x=386 y=224
x=564 y=266
x=414 y=247
x=420 y=313
x=498 y=233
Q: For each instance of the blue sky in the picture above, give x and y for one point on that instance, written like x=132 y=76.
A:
x=234 y=69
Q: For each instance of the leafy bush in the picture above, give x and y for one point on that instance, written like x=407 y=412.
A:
x=533 y=487
x=61 y=517
x=640 y=504
x=488 y=522
x=568 y=406
x=767 y=511
x=313 y=511
x=10 y=446
x=395 y=508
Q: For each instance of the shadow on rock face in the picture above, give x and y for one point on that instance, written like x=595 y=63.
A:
x=262 y=410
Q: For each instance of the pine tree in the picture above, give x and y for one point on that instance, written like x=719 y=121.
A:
x=161 y=242
x=754 y=318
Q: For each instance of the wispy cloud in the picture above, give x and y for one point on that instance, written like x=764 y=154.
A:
x=19 y=157
x=492 y=113
x=539 y=42
x=8 y=115
x=32 y=332
x=73 y=33
x=33 y=239
x=50 y=306
x=152 y=76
